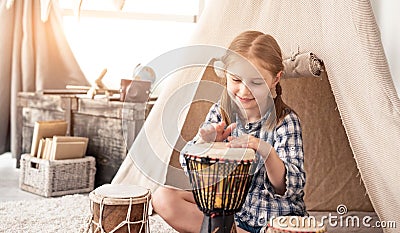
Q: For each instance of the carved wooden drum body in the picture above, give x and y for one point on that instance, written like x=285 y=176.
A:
x=117 y=207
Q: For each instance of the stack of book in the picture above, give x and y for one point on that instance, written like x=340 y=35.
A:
x=49 y=142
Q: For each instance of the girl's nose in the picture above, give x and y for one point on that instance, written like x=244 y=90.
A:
x=244 y=89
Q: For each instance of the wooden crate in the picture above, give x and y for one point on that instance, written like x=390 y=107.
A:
x=111 y=126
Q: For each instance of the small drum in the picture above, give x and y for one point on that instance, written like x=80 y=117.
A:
x=295 y=224
x=220 y=179
x=115 y=207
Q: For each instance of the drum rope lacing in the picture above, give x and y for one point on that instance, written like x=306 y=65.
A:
x=144 y=220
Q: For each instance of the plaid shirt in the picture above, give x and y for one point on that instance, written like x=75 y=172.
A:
x=262 y=202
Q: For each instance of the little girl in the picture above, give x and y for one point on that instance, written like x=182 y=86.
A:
x=277 y=187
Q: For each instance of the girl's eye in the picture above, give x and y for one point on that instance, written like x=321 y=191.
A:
x=257 y=83
x=236 y=79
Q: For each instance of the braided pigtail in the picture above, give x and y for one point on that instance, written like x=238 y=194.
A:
x=280 y=107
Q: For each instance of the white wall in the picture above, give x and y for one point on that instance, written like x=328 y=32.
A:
x=387 y=14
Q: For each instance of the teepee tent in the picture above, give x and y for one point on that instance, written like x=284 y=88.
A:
x=350 y=117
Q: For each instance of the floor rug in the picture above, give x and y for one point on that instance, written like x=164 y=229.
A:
x=69 y=213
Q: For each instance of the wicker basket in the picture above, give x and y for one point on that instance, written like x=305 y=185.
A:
x=57 y=177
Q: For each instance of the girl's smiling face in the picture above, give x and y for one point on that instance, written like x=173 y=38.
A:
x=249 y=84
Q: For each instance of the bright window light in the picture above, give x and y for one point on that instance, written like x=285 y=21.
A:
x=120 y=43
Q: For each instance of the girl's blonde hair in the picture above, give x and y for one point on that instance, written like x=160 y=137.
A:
x=264 y=48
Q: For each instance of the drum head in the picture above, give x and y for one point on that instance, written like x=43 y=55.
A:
x=120 y=191
x=218 y=150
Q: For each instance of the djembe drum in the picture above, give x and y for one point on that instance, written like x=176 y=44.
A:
x=120 y=208
x=295 y=224
x=220 y=179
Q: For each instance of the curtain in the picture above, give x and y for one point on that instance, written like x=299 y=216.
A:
x=34 y=56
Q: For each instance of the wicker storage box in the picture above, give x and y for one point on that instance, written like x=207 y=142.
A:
x=57 y=177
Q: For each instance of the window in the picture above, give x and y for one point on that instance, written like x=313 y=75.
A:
x=106 y=36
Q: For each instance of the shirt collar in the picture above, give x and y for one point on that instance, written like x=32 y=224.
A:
x=255 y=126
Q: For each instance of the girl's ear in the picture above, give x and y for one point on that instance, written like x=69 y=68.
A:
x=277 y=77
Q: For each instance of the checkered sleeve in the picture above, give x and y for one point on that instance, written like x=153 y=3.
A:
x=289 y=146
x=213 y=116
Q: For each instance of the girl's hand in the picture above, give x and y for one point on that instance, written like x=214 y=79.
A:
x=248 y=141
x=215 y=132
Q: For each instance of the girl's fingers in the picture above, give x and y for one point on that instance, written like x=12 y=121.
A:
x=229 y=130
x=202 y=131
x=217 y=131
x=208 y=133
x=220 y=127
x=237 y=145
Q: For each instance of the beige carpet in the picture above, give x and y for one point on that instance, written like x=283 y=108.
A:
x=64 y=214
x=71 y=213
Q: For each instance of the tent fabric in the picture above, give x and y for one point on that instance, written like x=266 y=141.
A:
x=34 y=56
x=148 y=158
x=350 y=118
